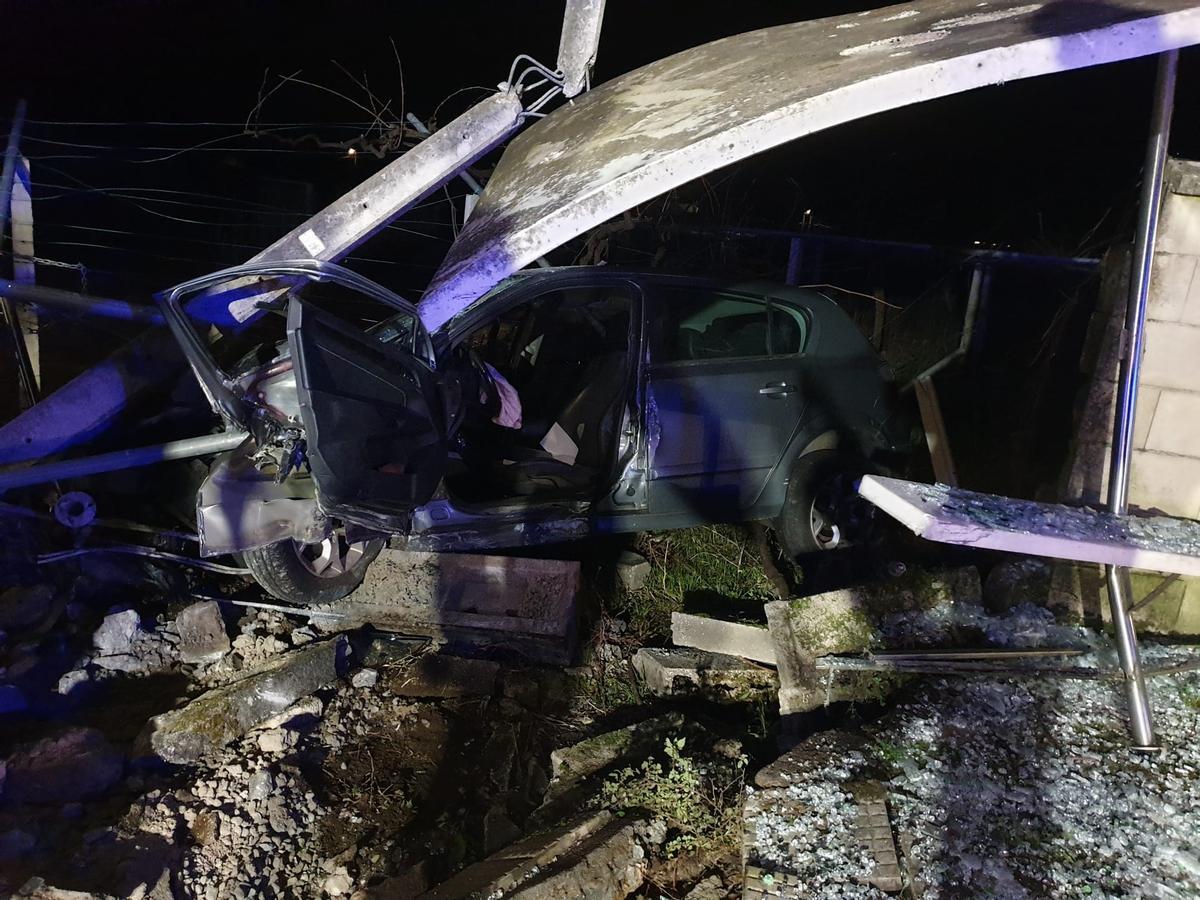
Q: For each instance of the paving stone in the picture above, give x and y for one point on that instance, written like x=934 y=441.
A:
x=874 y=830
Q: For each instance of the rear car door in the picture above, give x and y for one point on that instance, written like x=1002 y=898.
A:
x=724 y=384
x=374 y=413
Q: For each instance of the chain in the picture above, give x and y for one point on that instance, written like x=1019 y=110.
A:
x=53 y=263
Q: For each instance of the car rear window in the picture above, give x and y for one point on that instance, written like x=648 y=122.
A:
x=694 y=324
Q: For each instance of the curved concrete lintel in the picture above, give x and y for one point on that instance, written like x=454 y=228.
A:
x=679 y=118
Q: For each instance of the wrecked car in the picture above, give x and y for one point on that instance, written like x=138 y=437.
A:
x=646 y=401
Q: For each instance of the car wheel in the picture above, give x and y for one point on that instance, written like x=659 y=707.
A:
x=822 y=510
x=311 y=574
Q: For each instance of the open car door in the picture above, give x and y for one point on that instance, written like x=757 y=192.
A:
x=373 y=413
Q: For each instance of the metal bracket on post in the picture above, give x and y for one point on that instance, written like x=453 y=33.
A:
x=1141 y=722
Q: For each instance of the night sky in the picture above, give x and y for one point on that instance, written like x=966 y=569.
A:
x=1049 y=165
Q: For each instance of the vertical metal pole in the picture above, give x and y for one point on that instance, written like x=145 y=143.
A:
x=7 y=174
x=24 y=268
x=1141 y=724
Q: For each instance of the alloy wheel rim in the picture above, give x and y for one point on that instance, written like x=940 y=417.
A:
x=331 y=557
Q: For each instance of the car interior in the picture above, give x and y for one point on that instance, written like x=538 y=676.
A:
x=567 y=355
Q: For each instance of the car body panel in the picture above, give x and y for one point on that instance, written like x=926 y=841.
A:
x=700 y=440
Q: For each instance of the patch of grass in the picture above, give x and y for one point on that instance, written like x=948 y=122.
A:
x=700 y=800
x=710 y=568
x=1190 y=694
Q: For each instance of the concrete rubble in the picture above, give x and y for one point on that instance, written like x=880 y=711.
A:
x=201 y=630
x=240 y=754
x=632 y=571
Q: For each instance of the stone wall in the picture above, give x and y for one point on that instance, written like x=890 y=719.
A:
x=1165 y=476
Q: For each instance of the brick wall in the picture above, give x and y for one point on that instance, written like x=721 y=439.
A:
x=1165 y=476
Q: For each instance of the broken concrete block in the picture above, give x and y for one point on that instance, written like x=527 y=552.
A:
x=201 y=630
x=437 y=675
x=76 y=764
x=590 y=856
x=117 y=633
x=850 y=621
x=670 y=672
x=364 y=678
x=731 y=638
x=224 y=714
x=517 y=605
x=632 y=570
x=801 y=687
x=122 y=646
x=613 y=865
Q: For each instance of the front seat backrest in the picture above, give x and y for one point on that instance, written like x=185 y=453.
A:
x=588 y=418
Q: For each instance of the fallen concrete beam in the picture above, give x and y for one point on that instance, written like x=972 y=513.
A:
x=589 y=856
x=718 y=636
x=217 y=717
x=512 y=604
x=955 y=516
x=675 y=672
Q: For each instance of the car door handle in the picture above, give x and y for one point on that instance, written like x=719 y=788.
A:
x=777 y=389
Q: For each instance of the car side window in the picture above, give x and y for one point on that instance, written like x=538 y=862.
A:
x=696 y=324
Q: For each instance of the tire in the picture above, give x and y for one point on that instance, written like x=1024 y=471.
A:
x=822 y=510
x=294 y=573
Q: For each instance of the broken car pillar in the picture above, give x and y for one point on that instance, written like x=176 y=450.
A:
x=1141 y=724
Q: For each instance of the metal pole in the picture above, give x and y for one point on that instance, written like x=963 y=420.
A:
x=80 y=303
x=120 y=459
x=1141 y=723
x=7 y=174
